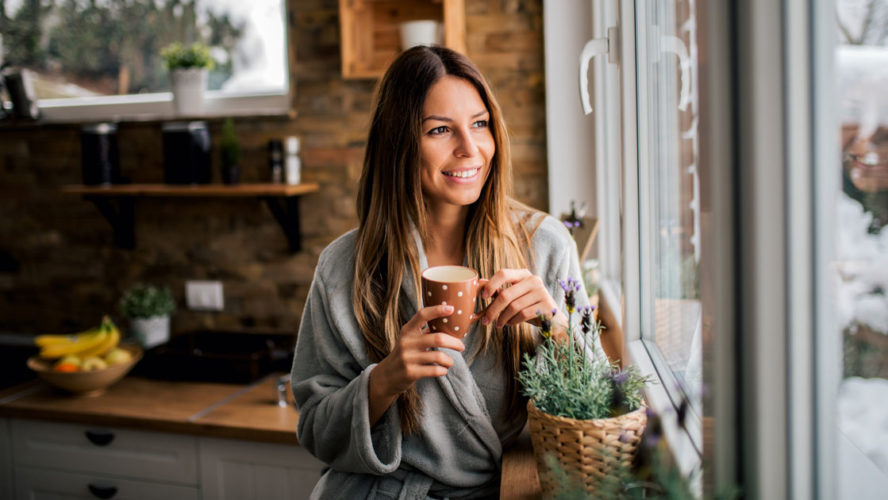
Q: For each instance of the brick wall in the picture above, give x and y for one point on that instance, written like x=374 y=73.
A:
x=59 y=268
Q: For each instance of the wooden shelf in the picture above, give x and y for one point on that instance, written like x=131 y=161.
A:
x=370 y=37
x=116 y=203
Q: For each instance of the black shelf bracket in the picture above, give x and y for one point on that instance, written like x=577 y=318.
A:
x=286 y=213
x=120 y=213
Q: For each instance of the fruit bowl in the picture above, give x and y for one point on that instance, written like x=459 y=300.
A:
x=84 y=383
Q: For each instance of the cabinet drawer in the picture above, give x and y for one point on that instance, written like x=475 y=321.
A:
x=111 y=451
x=36 y=484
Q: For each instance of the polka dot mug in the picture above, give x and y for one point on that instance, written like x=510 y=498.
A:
x=457 y=286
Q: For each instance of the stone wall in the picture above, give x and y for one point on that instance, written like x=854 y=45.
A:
x=60 y=270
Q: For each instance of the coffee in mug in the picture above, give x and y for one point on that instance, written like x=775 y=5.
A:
x=456 y=286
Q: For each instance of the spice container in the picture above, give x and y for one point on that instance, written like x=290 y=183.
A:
x=276 y=160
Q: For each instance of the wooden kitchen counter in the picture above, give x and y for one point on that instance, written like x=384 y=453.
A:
x=519 y=479
x=248 y=412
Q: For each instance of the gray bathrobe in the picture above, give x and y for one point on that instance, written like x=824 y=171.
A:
x=458 y=452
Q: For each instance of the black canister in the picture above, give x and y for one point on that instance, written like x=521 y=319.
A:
x=99 y=157
x=186 y=153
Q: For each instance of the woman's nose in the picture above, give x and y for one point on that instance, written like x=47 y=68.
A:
x=466 y=147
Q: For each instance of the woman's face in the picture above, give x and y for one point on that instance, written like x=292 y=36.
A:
x=457 y=144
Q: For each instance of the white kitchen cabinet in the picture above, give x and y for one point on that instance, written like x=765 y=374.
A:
x=144 y=456
x=232 y=470
x=33 y=483
x=6 y=484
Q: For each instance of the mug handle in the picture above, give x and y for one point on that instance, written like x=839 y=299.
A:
x=478 y=314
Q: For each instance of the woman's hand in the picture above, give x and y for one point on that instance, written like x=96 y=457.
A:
x=412 y=358
x=524 y=300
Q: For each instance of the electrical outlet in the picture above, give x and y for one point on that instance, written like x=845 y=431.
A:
x=204 y=295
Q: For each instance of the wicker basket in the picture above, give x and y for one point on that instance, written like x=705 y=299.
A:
x=587 y=450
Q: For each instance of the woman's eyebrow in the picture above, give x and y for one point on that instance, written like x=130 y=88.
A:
x=446 y=119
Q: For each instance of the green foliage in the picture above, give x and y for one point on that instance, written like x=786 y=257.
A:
x=229 y=145
x=177 y=56
x=147 y=301
x=562 y=380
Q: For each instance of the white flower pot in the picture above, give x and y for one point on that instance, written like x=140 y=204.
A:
x=150 y=332
x=420 y=32
x=188 y=87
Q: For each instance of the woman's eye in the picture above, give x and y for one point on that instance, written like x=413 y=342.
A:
x=438 y=130
x=480 y=124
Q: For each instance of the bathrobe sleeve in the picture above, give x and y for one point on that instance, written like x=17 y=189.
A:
x=330 y=377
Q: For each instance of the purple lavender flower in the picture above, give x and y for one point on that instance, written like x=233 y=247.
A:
x=570 y=288
x=620 y=377
x=586 y=319
x=545 y=325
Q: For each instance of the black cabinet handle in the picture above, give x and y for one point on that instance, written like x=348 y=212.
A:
x=102 y=491
x=99 y=438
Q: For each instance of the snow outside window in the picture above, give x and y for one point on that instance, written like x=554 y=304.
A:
x=861 y=270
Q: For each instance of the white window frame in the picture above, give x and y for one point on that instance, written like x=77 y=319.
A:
x=618 y=189
x=771 y=355
x=685 y=442
x=159 y=106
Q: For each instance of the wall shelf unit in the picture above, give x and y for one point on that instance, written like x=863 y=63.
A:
x=370 y=36
x=116 y=203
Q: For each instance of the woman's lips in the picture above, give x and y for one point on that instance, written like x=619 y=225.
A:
x=462 y=175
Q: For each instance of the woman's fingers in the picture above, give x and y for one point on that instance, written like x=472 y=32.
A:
x=501 y=278
x=524 y=308
x=425 y=315
x=522 y=301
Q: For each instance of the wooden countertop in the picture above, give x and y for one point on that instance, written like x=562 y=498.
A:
x=519 y=479
x=247 y=412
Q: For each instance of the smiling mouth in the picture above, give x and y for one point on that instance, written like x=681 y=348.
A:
x=462 y=174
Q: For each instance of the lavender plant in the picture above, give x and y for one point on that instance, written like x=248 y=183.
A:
x=568 y=379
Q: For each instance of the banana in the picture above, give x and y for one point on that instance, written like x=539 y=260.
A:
x=74 y=348
x=110 y=342
x=47 y=340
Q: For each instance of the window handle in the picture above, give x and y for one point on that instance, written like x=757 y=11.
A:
x=595 y=47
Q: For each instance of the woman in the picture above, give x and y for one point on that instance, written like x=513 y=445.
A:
x=396 y=411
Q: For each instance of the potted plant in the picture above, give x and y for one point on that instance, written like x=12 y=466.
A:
x=586 y=414
x=188 y=69
x=148 y=307
x=230 y=149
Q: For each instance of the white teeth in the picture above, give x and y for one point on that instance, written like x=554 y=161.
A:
x=462 y=173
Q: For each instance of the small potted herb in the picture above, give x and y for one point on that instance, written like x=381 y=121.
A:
x=188 y=67
x=575 y=392
x=148 y=307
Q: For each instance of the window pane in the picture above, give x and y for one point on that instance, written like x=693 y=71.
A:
x=80 y=48
x=862 y=267
x=670 y=187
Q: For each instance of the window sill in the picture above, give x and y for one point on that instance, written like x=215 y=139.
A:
x=685 y=453
x=155 y=107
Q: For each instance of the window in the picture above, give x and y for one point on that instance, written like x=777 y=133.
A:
x=860 y=296
x=669 y=193
x=101 y=59
x=649 y=201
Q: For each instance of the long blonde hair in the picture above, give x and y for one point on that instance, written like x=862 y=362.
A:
x=390 y=206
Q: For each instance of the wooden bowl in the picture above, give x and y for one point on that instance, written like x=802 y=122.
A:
x=84 y=383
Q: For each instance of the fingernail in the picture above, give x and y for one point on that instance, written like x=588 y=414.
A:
x=485 y=294
x=448 y=308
